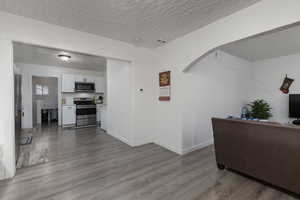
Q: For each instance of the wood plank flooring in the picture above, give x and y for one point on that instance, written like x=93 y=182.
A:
x=87 y=164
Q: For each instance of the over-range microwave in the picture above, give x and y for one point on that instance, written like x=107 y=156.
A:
x=84 y=87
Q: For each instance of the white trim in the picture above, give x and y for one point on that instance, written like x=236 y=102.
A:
x=126 y=141
x=122 y=139
x=177 y=151
x=197 y=147
x=141 y=143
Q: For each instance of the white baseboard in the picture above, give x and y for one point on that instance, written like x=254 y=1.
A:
x=2 y=173
x=140 y=143
x=122 y=139
x=197 y=147
x=170 y=148
x=6 y=174
x=177 y=151
x=126 y=141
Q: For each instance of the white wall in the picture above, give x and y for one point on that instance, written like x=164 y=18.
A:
x=181 y=54
x=216 y=86
x=119 y=111
x=220 y=84
x=169 y=116
x=29 y=70
x=144 y=103
x=267 y=77
x=7 y=126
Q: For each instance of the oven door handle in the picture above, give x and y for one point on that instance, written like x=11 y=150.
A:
x=85 y=106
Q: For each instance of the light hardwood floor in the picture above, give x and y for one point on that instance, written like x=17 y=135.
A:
x=87 y=164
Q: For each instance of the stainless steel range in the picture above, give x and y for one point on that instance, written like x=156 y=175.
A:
x=86 y=112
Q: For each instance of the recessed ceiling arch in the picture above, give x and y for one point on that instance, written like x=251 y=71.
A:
x=239 y=26
x=250 y=38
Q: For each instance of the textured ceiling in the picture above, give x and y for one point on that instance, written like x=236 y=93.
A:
x=270 y=45
x=140 y=22
x=28 y=54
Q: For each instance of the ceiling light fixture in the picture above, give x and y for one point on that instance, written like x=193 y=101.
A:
x=64 y=57
x=162 y=41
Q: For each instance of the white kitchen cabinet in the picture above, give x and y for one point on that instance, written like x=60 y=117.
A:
x=85 y=79
x=90 y=79
x=68 y=83
x=69 y=115
x=100 y=84
x=80 y=78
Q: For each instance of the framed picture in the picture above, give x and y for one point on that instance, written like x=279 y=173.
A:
x=165 y=86
x=164 y=79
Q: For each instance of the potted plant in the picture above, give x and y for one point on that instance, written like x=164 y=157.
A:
x=260 y=109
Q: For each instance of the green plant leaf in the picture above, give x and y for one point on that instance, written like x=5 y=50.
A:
x=260 y=109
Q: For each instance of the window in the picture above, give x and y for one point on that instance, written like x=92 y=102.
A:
x=41 y=90
x=45 y=90
x=38 y=90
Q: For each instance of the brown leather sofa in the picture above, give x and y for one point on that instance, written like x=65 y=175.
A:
x=269 y=152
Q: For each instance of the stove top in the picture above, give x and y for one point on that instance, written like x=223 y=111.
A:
x=84 y=101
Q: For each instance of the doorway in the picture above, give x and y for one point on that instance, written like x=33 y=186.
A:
x=18 y=111
x=44 y=101
x=48 y=93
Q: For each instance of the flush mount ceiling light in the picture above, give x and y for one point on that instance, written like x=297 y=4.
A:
x=162 y=41
x=64 y=57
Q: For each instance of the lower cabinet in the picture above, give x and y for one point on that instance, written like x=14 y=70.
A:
x=68 y=115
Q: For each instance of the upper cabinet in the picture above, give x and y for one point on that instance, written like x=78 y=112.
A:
x=68 y=83
x=100 y=84
x=90 y=79
x=85 y=79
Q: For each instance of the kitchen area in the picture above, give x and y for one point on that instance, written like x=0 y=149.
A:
x=57 y=85
x=62 y=99
x=83 y=101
